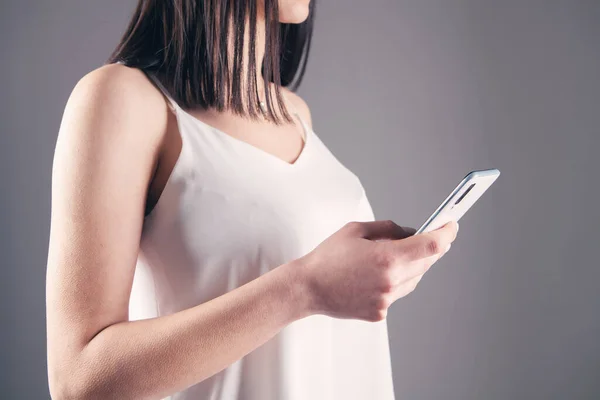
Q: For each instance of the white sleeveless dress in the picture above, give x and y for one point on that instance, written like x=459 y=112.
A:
x=231 y=212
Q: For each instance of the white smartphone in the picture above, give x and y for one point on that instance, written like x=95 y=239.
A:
x=461 y=199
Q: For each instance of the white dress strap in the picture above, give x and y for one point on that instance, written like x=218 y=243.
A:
x=172 y=103
x=295 y=112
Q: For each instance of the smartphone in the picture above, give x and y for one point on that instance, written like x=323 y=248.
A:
x=461 y=199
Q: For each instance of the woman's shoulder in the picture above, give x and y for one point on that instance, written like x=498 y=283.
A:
x=122 y=97
x=117 y=109
x=122 y=86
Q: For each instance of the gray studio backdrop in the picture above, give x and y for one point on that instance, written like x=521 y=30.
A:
x=410 y=95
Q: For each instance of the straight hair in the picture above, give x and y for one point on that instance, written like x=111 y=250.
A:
x=185 y=43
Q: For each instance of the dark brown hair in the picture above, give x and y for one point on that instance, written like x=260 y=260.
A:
x=185 y=43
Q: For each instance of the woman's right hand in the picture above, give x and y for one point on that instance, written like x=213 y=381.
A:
x=364 y=267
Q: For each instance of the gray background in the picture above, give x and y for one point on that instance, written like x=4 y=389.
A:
x=411 y=95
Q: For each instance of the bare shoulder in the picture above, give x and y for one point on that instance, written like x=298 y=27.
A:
x=118 y=88
x=117 y=75
x=115 y=120
x=116 y=106
x=300 y=105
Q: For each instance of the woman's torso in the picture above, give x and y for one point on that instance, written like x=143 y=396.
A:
x=230 y=212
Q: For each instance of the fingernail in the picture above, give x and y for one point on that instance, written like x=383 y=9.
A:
x=448 y=248
x=457 y=226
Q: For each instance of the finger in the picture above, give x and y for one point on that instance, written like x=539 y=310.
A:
x=423 y=265
x=408 y=233
x=407 y=287
x=415 y=281
x=426 y=244
x=403 y=272
x=382 y=229
x=449 y=222
x=418 y=267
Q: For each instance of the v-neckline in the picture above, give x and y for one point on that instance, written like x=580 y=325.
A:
x=306 y=141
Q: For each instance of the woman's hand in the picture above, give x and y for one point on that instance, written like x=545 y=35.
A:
x=360 y=270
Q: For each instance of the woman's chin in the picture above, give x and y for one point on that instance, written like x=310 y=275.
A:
x=295 y=14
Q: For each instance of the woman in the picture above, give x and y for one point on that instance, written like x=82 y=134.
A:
x=205 y=244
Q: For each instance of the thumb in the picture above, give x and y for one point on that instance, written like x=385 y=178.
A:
x=384 y=229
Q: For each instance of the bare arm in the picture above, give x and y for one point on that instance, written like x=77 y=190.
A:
x=106 y=150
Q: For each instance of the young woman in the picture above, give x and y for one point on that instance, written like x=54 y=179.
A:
x=204 y=243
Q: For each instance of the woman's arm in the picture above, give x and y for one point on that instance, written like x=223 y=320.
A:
x=105 y=154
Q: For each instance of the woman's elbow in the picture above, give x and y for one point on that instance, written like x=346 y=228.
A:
x=75 y=384
x=65 y=388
